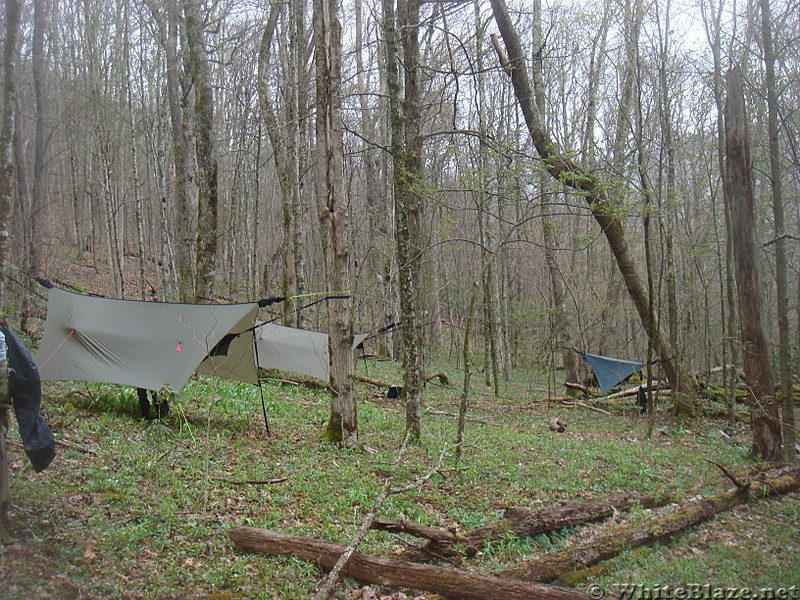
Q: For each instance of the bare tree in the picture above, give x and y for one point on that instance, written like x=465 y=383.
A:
x=182 y=155
x=342 y=425
x=406 y=165
x=561 y=327
x=41 y=20
x=197 y=68
x=285 y=136
x=765 y=418
x=408 y=214
x=712 y=21
x=784 y=352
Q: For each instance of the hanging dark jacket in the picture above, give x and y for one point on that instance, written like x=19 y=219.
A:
x=26 y=394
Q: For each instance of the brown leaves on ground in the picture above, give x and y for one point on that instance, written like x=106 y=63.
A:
x=369 y=593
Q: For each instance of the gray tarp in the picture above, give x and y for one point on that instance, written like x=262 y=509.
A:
x=297 y=350
x=233 y=357
x=141 y=344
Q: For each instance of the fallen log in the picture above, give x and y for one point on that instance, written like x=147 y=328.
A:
x=371 y=381
x=577 y=386
x=442 y=377
x=739 y=373
x=523 y=522
x=366 y=568
x=632 y=391
x=559 y=565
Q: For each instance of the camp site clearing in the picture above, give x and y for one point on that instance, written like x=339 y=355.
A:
x=141 y=510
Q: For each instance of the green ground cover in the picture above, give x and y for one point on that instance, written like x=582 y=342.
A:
x=137 y=510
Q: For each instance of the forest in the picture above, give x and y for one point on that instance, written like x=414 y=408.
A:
x=488 y=190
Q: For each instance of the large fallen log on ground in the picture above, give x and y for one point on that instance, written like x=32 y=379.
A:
x=395 y=573
x=559 y=564
x=524 y=522
x=521 y=522
x=632 y=391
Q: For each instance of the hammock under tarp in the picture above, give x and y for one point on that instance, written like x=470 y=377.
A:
x=610 y=371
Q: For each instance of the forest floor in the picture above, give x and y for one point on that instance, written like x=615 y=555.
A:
x=140 y=510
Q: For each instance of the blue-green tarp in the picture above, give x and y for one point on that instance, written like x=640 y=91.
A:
x=610 y=371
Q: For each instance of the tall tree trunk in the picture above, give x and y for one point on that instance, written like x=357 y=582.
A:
x=561 y=325
x=283 y=154
x=13 y=9
x=343 y=424
x=647 y=194
x=41 y=19
x=598 y=53
x=567 y=171
x=629 y=70
x=408 y=213
x=134 y=156
x=378 y=212
x=184 y=209
x=765 y=418
x=784 y=352
x=712 y=20
x=463 y=407
x=296 y=116
x=285 y=142
x=24 y=201
x=487 y=219
x=682 y=405
x=406 y=163
x=112 y=212
x=207 y=203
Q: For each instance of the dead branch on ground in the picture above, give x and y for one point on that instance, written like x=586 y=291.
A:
x=523 y=522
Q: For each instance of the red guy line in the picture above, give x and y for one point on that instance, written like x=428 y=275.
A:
x=64 y=341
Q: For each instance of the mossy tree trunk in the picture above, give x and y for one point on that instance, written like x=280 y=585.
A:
x=406 y=147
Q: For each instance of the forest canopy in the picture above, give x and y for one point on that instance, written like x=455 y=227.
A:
x=110 y=95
